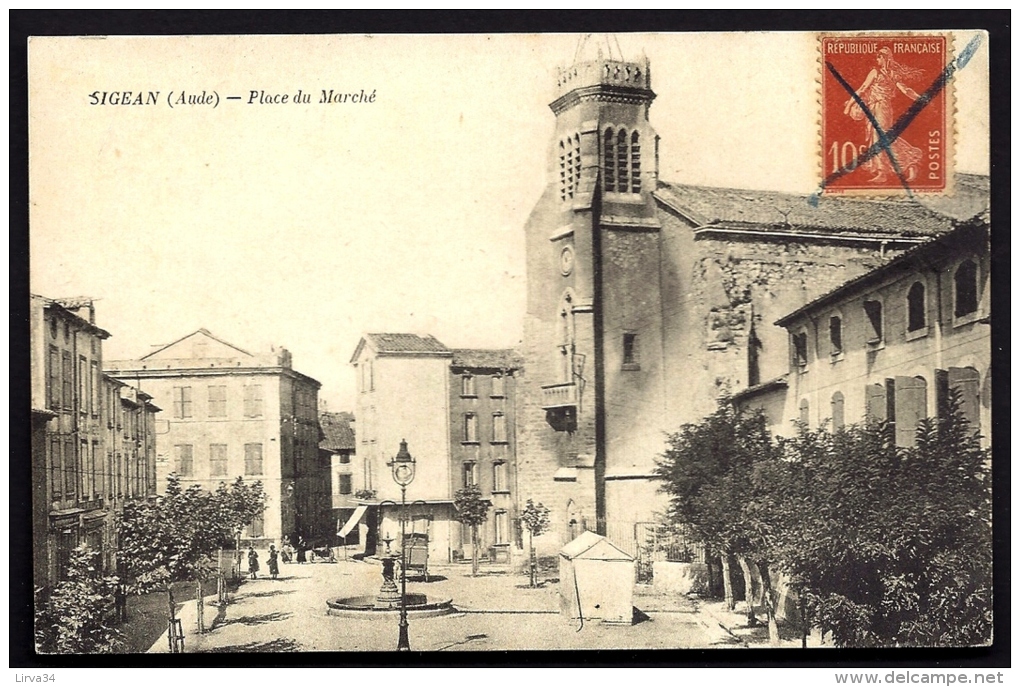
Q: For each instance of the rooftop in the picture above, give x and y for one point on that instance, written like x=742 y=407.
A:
x=918 y=216
x=950 y=243
x=402 y=344
x=337 y=431
x=489 y=358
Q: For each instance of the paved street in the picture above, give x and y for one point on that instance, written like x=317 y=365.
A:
x=496 y=611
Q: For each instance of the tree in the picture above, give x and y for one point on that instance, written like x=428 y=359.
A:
x=536 y=521
x=472 y=510
x=707 y=471
x=887 y=546
x=75 y=617
x=173 y=537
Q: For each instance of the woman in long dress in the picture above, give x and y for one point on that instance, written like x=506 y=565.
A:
x=877 y=92
x=253 y=563
x=274 y=567
x=301 y=551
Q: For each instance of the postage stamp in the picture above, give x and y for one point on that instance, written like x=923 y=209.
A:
x=886 y=122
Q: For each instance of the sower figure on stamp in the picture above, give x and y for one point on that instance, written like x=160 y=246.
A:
x=877 y=92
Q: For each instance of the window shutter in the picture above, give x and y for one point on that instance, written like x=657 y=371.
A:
x=875 y=402
x=911 y=407
x=967 y=381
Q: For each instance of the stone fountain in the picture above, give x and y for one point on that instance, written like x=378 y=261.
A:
x=387 y=602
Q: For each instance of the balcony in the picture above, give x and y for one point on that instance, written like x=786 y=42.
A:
x=557 y=396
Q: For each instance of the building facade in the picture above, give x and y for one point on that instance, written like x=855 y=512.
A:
x=93 y=439
x=483 y=444
x=456 y=410
x=338 y=446
x=892 y=344
x=231 y=413
x=648 y=300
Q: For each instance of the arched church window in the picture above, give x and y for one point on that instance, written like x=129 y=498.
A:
x=577 y=163
x=635 y=163
x=609 y=161
x=622 y=162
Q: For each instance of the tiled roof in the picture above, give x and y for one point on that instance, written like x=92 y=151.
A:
x=958 y=240
x=917 y=216
x=337 y=431
x=493 y=358
x=406 y=343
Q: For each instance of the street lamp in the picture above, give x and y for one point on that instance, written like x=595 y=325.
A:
x=402 y=466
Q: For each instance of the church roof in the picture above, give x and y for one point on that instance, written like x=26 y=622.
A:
x=490 y=358
x=918 y=216
x=338 y=435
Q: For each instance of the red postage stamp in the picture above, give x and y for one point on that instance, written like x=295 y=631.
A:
x=886 y=114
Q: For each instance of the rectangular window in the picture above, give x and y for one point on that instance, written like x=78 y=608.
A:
x=217 y=401
x=55 y=389
x=836 y=335
x=498 y=386
x=800 y=349
x=95 y=470
x=217 y=460
x=256 y=528
x=83 y=385
x=345 y=458
x=498 y=428
x=253 y=459
x=182 y=402
x=253 y=400
x=94 y=387
x=470 y=474
x=502 y=527
x=470 y=427
x=467 y=385
x=630 y=352
x=70 y=467
x=83 y=472
x=67 y=372
x=184 y=459
x=345 y=484
x=56 y=476
x=499 y=477
x=873 y=321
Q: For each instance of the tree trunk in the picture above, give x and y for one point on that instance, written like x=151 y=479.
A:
x=200 y=606
x=727 y=583
x=474 y=550
x=769 y=600
x=532 y=560
x=750 y=592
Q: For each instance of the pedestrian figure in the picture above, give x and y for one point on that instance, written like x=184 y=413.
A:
x=274 y=568
x=301 y=548
x=287 y=554
x=253 y=562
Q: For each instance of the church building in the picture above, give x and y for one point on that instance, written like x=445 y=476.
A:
x=647 y=300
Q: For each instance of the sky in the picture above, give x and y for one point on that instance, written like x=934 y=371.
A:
x=307 y=225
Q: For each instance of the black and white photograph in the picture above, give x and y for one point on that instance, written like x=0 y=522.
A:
x=511 y=341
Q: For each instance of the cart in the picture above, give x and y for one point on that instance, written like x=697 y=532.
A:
x=416 y=553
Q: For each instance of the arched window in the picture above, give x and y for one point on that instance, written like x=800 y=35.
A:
x=837 y=411
x=609 y=161
x=915 y=307
x=635 y=163
x=835 y=335
x=563 y=172
x=565 y=337
x=804 y=414
x=622 y=162
x=577 y=164
x=965 y=281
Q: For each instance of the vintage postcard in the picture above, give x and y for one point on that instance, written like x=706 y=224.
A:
x=510 y=342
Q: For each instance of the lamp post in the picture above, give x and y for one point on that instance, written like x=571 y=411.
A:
x=402 y=467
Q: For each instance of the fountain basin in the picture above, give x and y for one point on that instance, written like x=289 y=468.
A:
x=418 y=606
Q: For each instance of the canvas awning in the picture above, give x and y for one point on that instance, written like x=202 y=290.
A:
x=352 y=521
